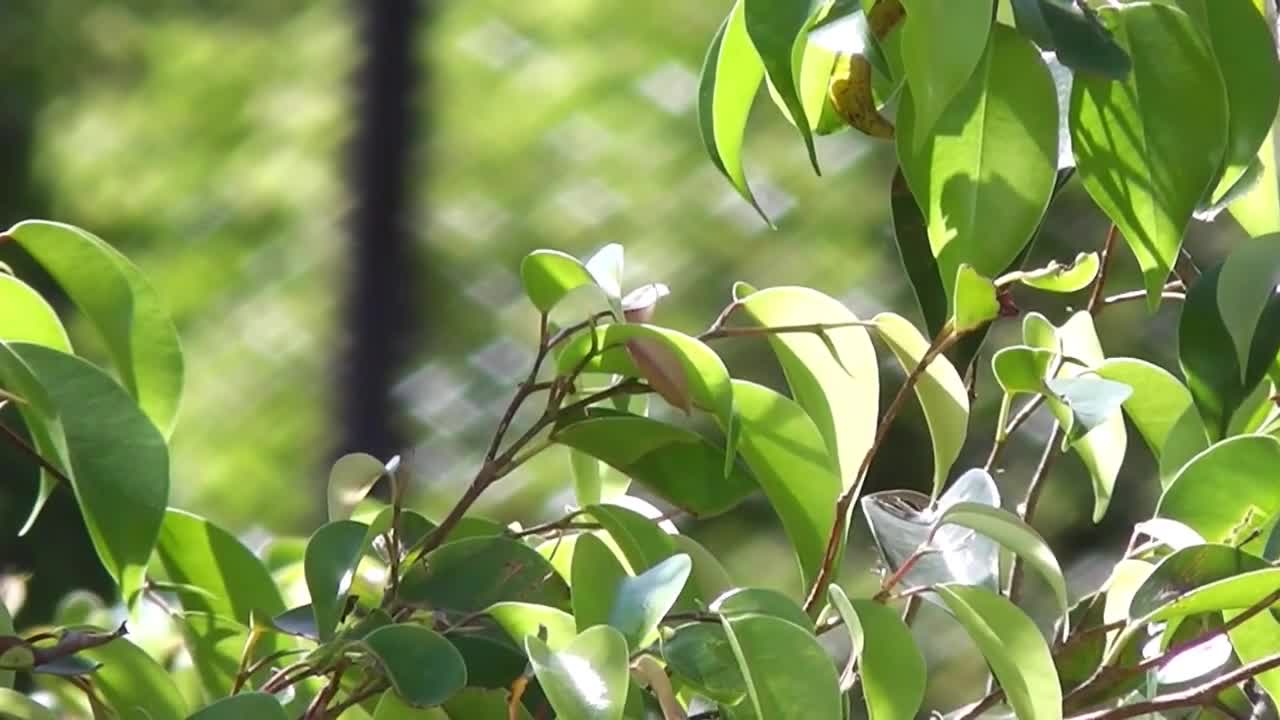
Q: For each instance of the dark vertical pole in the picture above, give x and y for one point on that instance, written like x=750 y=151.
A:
x=379 y=317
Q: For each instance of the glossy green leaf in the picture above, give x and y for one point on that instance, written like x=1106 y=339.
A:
x=940 y=390
x=701 y=656
x=942 y=45
x=350 y=479
x=709 y=578
x=216 y=645
x=606 y=594
x=1255 y=639
x=1258 y=210
x=1203 y=578
x=975 y=302
x=642 y=542
x=121 y=304
x=762 y=601
x=891 y=667
x=1080 y=41
x=985 y=178
x=549 y=275
x=1059 y=278
x=1013 y=533
x=778 y=31
x=588 y=680
x=1022 y=369
x=520 y=619
x=491 y=659
x=391 y=707
x=804 y=686
x=853 y=628
x=790 y=461
x=1102 y=448
x=1227 y=492
x=332 y=554
x=256 y=705
x=472 y=574
x=1130 y=138
x=1091 y=400
x=1162 y=410
x=816 y=63
x=731 y=77
x=16 y=706
x=119 y=461
x=1246 y=53
x=194 y=551
x=40 y=416
x=1012 y=646
x=836 y=382
x=28 y=317
x=1229 y=331
x=423 y=667
x=678 y=465
x=131 y=682
x=703 y=372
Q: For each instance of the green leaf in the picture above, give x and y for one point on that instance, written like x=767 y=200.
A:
x=350 y=480
x=1092 y=401
x=762 y=601
x=391 y=707
x=942 y=44
x=816 y=65
x=40 y=415
x=256 y=705
x=424 y=668
x=16 y=706
x=1229 y=331
x=853 y=626
x=1101 y=448
x=520 y=619
x=122 y=305
x=549 y=275
x=332 y=554
x=701 y=656
x=216 y=644
x=911 y=233
x=131 y=682
x=1081 y=42
x=472 y=574
x=839 y=389
x=642 y=542
x=891 y=667
x=1012 y=646
x=1203 y=578
x=1228 y=491
x=1013 y=533
x=605 y=594
x=1255 y=639
x=702 y=372
x=789 y=459
x=28 y=318
x=731 y=76
x=118 y=460
x=1058 y=278
x=1258 y=211
x=778 y=31
x=6 y=628
x=975 y=300
x=940 y=390
x=678 y=465
x=803 y=686
x=588 y=680
x=709 y=578
x=985 y=178
x=1022 y=369
x=1162 y=410
x=475 y=703
x=195 y=552
x=1246 y=54
x=1130 y=137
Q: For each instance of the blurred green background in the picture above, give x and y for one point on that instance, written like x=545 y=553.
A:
x=215 y=142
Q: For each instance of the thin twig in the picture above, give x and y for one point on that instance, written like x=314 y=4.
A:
x=1139 y=295
x=16 y=440
x=940 y=345
x=1104 y=266
x=1028 y=507
x=1018 y=419
x=1197 y=696
x=522 y=392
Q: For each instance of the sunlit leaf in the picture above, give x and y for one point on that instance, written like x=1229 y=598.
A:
x=1258 y=211
x=804 y=686
x=762 y=601
x=985 y=179
x=472 y=574
x=1203 y=578
x=1227 y=492
x=942 y=45
x=1012 y=646
x=40 y=415
x=891 y=667
x=940 y=390
x=131 y=682
x=216 y=645
x=122 y=305
x=28 y=317
x=853 y=628
x=974 y=301
x=786 y=453
x=482 y=704
x=350 y=479
x=1059 y=278
x=240 y=707
x=521 y=619
x=731 y=76
x=550 y=275
x=606 y=594
x=701 y=656
x=778 y=31
x=1162 y=410
x=587 y=680
x=1130 y=136
x=16 y=706
x=840 y=390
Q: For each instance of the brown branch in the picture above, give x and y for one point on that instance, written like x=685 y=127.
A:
x=940 y=344
x=522 y=392
x=18 y=442
x=1197 y=696
x=1095 y=296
